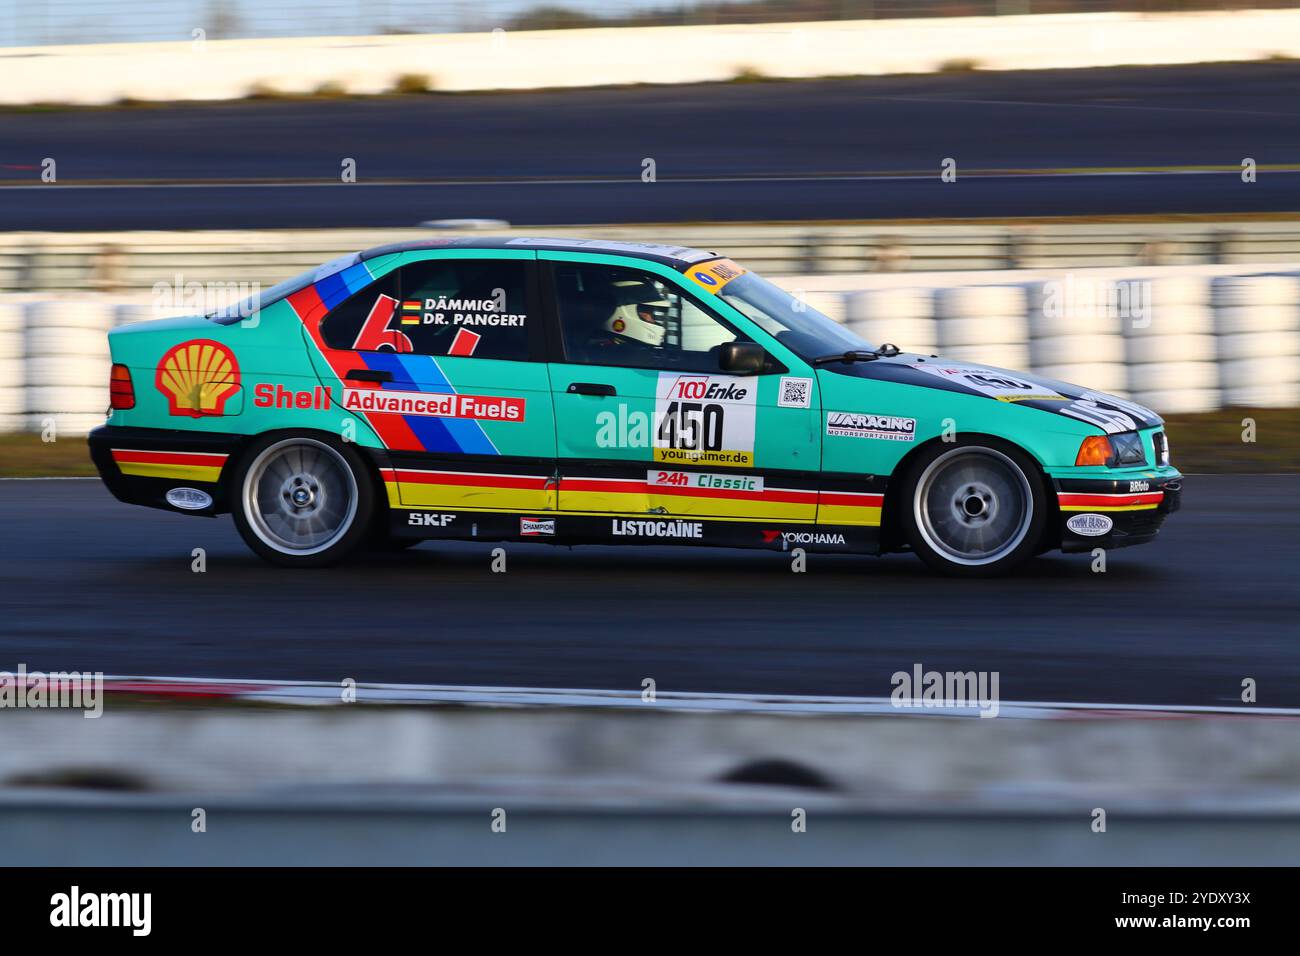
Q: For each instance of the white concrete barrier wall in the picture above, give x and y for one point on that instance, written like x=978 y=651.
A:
x=1180 y=340
x=218 y=70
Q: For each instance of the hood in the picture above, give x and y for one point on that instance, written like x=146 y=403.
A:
x=1108 y=412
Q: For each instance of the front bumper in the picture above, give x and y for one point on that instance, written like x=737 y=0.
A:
x=140 y=465
x=1114 y=513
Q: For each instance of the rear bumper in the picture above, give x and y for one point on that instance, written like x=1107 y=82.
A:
x=1102 y=513
x=141 y=465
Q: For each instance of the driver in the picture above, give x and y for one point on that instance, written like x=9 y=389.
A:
x=639 y=319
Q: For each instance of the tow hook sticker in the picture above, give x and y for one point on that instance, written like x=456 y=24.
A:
x=189 y=499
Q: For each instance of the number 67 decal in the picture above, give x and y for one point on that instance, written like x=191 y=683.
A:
x=376 y=336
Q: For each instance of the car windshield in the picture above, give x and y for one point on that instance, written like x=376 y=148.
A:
x=261 y=299
x=792 y=322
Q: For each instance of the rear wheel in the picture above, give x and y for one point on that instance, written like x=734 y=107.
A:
x=303 y=501
x=975 y=509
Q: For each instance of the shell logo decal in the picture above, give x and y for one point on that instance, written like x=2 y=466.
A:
x=198 y=377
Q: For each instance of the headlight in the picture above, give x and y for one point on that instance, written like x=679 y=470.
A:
x=1128 y=450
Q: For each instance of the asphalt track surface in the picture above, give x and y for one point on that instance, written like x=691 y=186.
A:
x=1090 y=142
x=87 y=583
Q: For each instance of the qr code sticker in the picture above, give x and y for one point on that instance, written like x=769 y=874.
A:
x=795 y=393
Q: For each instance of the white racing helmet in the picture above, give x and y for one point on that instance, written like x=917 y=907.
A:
x=640 y=314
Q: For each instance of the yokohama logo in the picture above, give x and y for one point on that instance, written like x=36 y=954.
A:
x=433 y=404
x=811 y=537
x=804 y=537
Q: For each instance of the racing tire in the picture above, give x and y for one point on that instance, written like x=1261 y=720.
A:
x=976 y=508
x=302 y=501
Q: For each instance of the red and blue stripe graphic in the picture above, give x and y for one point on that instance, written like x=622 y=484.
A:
x=421 y=373
x=410 y=373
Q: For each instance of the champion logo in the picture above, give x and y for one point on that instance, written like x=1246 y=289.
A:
x=536 y=526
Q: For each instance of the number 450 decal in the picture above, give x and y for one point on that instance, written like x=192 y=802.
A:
x=706 y=414
x=692 y=425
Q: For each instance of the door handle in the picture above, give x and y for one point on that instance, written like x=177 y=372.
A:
x=369 y=375
x=591 y=388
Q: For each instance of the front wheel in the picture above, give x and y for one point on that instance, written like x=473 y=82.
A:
x=301 y=501
x=975 y=509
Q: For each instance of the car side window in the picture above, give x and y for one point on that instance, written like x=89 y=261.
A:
x=346 y=326
x=466 y=308
x=611 y=315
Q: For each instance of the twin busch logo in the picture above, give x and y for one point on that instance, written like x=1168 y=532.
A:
x=434 y=404
x=695 y=388
x=1090 y=525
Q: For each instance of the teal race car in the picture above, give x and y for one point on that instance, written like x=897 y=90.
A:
x=570 y=392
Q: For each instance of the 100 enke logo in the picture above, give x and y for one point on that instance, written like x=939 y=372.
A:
x=704 y=419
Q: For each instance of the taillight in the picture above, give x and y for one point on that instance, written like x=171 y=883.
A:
x=120 y=390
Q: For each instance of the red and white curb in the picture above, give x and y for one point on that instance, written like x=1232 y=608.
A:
x=325 y=692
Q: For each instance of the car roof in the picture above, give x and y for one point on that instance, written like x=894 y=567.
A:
x=679 y=257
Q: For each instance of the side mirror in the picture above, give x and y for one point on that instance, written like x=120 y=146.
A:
x=742 y=358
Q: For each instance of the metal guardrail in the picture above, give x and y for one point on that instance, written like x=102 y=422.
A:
x=1179 y=339
x=133 y=263
x=352 y=829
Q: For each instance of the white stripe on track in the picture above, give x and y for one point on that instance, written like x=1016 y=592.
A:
x=321 y=692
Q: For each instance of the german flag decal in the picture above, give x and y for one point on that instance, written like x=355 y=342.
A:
x=1083 y=501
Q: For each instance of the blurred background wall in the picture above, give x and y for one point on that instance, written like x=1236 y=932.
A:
x=41 y=22
x=1209 y=316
